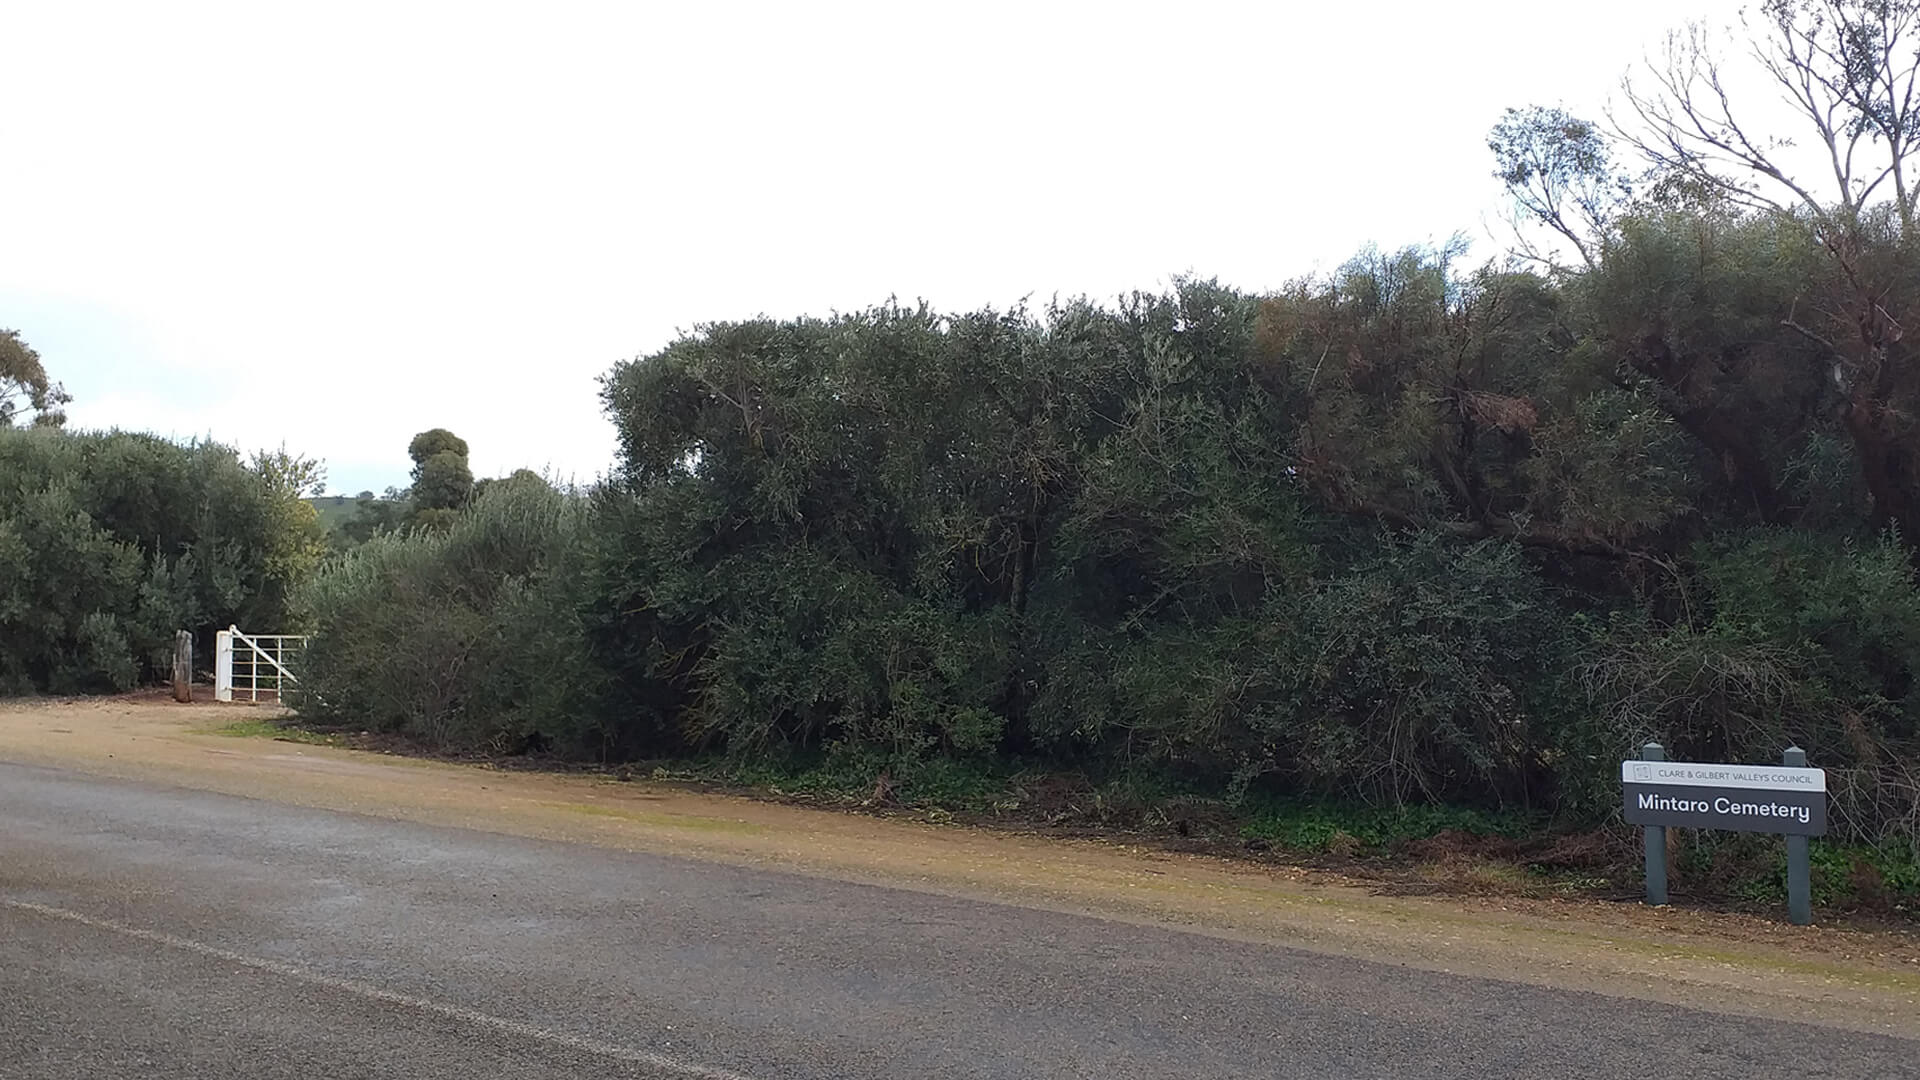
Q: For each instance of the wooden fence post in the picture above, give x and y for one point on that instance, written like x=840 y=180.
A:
x=183 y=666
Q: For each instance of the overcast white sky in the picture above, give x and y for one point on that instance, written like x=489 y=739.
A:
x=334 y=225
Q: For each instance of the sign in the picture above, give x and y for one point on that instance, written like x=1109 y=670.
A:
x=1743 y=798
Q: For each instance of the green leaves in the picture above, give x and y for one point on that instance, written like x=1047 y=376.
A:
x=111 y=542
x=442 y=480
x=1411 y=534
x=27 y=395
x=471 y=635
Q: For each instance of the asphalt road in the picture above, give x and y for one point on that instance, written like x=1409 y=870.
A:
x=163 y=933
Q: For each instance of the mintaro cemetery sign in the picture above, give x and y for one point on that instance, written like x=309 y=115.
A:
x=1746 y=798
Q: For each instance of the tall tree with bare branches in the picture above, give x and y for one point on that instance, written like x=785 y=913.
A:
x=1848 y=69
x=1560 y=173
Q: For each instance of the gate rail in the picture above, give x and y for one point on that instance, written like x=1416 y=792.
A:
x=255 y=667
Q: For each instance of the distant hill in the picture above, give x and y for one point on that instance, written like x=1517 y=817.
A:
x=337 y=510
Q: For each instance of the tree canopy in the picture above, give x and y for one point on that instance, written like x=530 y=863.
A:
x=442 y=480
x=26 y=393
x=112 y=542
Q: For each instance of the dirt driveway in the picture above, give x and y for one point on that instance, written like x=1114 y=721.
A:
x=1864 y=980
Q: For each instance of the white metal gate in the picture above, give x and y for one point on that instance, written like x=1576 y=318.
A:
x=255 y=667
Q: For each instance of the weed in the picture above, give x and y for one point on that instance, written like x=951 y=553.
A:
x=1753 y=867
x=1334 y=828
x=256 y=728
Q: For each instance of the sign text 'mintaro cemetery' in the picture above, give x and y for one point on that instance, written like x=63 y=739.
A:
x=1744 y=798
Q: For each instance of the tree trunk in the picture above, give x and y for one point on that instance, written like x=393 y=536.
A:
x=1735 y=445
x=1888 y=465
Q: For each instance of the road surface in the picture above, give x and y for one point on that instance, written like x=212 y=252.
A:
x=159 y=932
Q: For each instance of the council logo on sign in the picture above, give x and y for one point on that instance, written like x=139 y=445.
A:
x=1643 y=772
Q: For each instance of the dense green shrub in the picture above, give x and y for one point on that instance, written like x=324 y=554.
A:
x=111 y=542
x=468 y=635
x=1428 y=672
x=1404 y=536
x=1786 y=637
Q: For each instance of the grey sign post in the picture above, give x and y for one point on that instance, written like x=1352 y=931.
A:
x=1656 y=838
x=1799 y=862
x=1788 y=798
